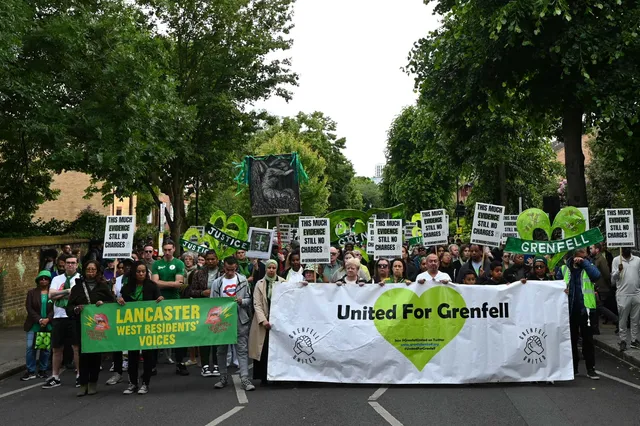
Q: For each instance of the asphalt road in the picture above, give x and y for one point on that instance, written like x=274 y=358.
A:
x=192 y=400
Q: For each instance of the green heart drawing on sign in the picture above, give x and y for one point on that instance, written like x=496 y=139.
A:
x=234 y=225
x=416 y=337
x=569 y=219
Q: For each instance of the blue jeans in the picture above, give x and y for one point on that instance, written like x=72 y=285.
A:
x=31 y=355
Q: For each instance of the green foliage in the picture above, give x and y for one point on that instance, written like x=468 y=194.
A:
x=89 y=224
x=369 y=192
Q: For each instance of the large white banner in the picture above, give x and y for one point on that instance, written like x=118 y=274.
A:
x=421 y=333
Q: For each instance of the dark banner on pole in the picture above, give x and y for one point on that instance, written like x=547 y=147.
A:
x=274 y=185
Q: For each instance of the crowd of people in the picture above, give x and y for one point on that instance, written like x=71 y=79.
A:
x=68 y=282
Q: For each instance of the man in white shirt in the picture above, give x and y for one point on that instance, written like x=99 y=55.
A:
x=626 y=277
x=432 y=273
x=63 y=327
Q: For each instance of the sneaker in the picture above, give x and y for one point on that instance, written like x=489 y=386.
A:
x=115 y=379
x=635 y=344
x=222 y=382
x=130 y=389
x=28 y=376
x=112 y=368
x=42 y=375
x=215 y=372
x=205 y=372
x=247 y=385
x=125 y=365
x=51 y=383
x=154 y=371
x=167 y=354
x=77 y=382
x=144 y=389
x=190 y=362
x=181 y=370
x=593 y=375
x=623 y=346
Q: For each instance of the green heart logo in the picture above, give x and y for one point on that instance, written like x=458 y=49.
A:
x=234 y=225
x=423 y=333
x=569 y=219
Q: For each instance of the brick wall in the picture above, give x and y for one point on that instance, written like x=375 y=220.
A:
x=21 y=257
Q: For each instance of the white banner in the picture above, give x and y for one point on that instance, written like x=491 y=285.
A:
x=427 y=333
x=388 y=239
x=315 y=241
x=487 y=225
x=620 y=229
x=118 y=237
x=434 y=231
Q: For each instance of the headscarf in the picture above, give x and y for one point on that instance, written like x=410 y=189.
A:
x=269 y=281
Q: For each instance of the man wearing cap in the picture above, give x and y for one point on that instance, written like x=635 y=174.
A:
x=540 y=271
x=626 y=278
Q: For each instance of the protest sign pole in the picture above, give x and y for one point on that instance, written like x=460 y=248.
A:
x=278 y=234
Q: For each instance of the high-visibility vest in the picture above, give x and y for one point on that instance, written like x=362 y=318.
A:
x=588 y=291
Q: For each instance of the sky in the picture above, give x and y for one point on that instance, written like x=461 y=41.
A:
x=348 y=55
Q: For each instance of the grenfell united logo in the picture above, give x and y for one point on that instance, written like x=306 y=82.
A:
x=534 y=343
x=303 y=339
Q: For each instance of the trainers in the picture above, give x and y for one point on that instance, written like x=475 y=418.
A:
x=623 y=346
x=51 y=383
x=115 y=379
x=167 y=354
x=125 y=364
x=247 y=385
x=42 y=375
x=144 y=389
x=28 y=376
x=154 y=371
x=215 y=372
x=112 y=368
x=77 y=382
x=593 y=375
x=222 y=382
x=635 y=344
x=205 y=372
x=130 y=389
x=181 y=370
x=190 y=362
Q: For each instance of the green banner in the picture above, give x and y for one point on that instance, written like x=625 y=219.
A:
x=516 y=245
x=189 y=246
x=226 y=239
x=415 y=241
x=151 y=325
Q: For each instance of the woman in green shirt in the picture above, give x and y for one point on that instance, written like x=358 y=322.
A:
x=39 y=316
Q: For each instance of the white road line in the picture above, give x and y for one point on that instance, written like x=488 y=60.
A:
x=242 y=396
x=385 y=414
x=608 y=376
x=225 y=416
x=377 y=394
x=4 y=395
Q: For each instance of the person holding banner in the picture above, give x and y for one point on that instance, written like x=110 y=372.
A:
x=432 y=273
x=259 y=334
x=476 y=263
x=412 y=271
x=540 y=271
x=352 y=276
x=232 y=284
x=340 y=273
x=579 y=274
x=91 y=288
x=311 y=274
x=363 y=268
x=626 y=278
x=139 y=288
x=381 y=271
x=399 y=271
x=294 y=272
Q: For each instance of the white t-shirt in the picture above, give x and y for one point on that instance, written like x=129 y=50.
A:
x=229 y=287
x=117 y=287
x=295 y=277
x=441 y=276
x=57 y=284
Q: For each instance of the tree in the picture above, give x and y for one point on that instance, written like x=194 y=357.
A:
x=370 y=193
x=554 y=63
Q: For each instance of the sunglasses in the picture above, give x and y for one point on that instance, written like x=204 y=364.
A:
x=383 y=266
x=148 y=251
x=539 y=266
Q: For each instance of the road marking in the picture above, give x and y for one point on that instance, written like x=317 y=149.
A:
x=240 y=393
x=385 y=414
x=608 y=376
x=377 y=394
x=4 y=395
x=225 y=416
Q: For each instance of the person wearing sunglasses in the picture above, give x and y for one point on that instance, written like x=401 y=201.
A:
x=539 y=272
x=382 y=271
x=328 y=269
x=147 y=256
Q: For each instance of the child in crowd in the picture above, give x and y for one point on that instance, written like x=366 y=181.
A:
x=469 y=278
x=496 y=274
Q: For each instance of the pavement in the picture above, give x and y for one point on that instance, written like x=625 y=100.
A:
x=12 y=351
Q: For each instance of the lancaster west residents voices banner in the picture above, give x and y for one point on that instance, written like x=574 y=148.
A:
x=427 y=333
x=151 y=325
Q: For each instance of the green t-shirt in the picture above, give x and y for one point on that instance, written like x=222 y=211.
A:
x=167 y=271
x=44 y=298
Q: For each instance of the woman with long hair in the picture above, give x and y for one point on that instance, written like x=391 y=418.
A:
x=399 y=272
x=382 y=271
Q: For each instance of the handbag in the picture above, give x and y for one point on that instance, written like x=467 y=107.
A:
x=42 y=340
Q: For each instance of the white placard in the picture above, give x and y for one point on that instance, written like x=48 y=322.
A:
x=585 y=214
x=487 y=225
x=388 y=240
x=433 y=227
x=429 y=333
x=620 y=228
x=408 y=229
x=260 y=242
x=371 y=242
x=446 y=225
x=510 y=227
x=118 y=237
x=315 y=240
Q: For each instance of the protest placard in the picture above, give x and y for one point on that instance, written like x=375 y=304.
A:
x=433 y=227
x=118 y=237
x=388 y=238
x=371 y=243
x=620 y=229
x=315 y=240
x=510 y=228
x=260 y=243
x=487 y=224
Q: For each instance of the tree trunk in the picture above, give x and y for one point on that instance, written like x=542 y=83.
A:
x=574 y=158
x=502 y=176
x=178 y=225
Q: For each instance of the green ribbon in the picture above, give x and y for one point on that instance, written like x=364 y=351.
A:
x=244 y=169
x=588 y=238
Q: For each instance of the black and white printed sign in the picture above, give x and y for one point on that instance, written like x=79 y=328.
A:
x=118 y=237
x=315 y=240
x=371 y=242
x=510 y=227
x=487 y=225
x=620 y=229
x=434 y=231
x=260 y=242
x=388 y=238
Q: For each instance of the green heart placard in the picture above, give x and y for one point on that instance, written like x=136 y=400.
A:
x=422 y=334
